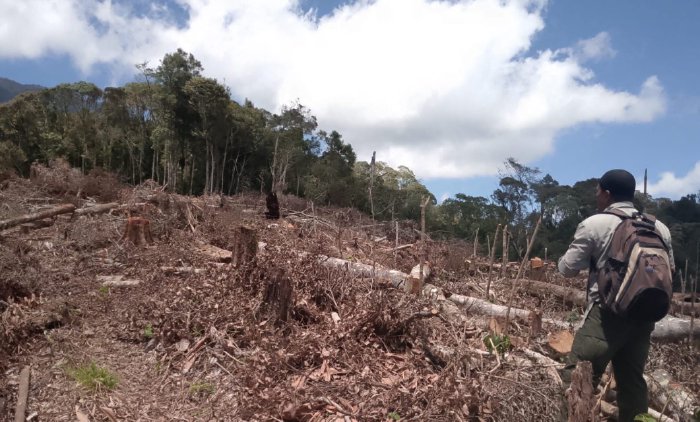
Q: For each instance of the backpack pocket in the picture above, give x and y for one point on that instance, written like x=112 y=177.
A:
x=645 y=293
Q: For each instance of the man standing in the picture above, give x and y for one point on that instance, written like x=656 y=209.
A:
x=605 y=335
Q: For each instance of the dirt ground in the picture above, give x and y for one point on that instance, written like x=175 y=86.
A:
x=284 y=339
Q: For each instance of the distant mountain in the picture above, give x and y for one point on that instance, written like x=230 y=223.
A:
x=9 y=89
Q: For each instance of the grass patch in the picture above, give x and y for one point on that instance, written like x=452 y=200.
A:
x=148 y=331
x=202 y=389
x=93 y=377
x=497 y=343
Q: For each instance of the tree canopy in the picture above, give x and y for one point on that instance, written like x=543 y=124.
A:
x=183 y=130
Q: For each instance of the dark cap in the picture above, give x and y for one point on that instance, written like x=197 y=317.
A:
x=620 y=184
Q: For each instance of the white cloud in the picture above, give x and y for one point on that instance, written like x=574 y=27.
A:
x=596 y=48
x=671 y=186
x=448 y=88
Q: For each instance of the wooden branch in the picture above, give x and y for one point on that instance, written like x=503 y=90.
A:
x=492 y=256
x=514 y=287
x=22 y=395
x=60 y=209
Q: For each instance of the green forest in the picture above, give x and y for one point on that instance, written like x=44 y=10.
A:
x=184 y=131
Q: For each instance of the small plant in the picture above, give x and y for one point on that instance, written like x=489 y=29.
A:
x=497 y=343
x=202 y=389
x=104 y=290
x=148 y=331
x=644 y=417
x=93 y=377
x=394 y=416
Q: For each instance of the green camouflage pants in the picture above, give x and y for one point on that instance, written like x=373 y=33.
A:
x=606 y=337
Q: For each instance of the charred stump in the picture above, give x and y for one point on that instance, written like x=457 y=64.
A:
x=138 y=231
x=273 y=206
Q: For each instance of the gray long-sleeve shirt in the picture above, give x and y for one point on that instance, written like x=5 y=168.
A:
x=592 y=243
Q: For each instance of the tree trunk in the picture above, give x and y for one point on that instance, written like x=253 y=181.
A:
x=60 y=209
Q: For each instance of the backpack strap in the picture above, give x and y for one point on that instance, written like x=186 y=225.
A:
x=618 y=212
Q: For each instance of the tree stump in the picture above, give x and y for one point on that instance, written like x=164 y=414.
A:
x=580 y=395
x=279 y=295
x=138 y=231
x=273 y=206
x=245 y=247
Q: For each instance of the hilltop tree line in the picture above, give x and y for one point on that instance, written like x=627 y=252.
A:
x=184 y=131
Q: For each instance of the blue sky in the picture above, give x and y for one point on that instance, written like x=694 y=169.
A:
x=449 y=89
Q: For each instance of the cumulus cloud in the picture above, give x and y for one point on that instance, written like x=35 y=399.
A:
x=448 y=88
x=672 y=186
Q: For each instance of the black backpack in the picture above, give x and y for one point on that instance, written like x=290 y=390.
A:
x=636 y=281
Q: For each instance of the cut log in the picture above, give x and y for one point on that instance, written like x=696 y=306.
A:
x=60 y=209
x=561 y=342
x=580 y=397
x=34 y=225
x=138 y=231
x=117 y=281
x=479 y=306
x=96 y=209
x=668 y=329
x=22 y=395
x=182 y=270
x=541 y=288
x=214 y=253
x=609 y=410
x=673 y=329
x=673 y=397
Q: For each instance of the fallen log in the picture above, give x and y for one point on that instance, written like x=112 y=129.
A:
x=609 y=410
x=214 y=253
x=117 y=281
x=569 y=295
x=668 y=329
x=60 y=209
x=22 y=395
x=182 y=270
x=96 y=209
x=481 y=306
x=398 y=279
x=34 y=225
x=673 y=397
